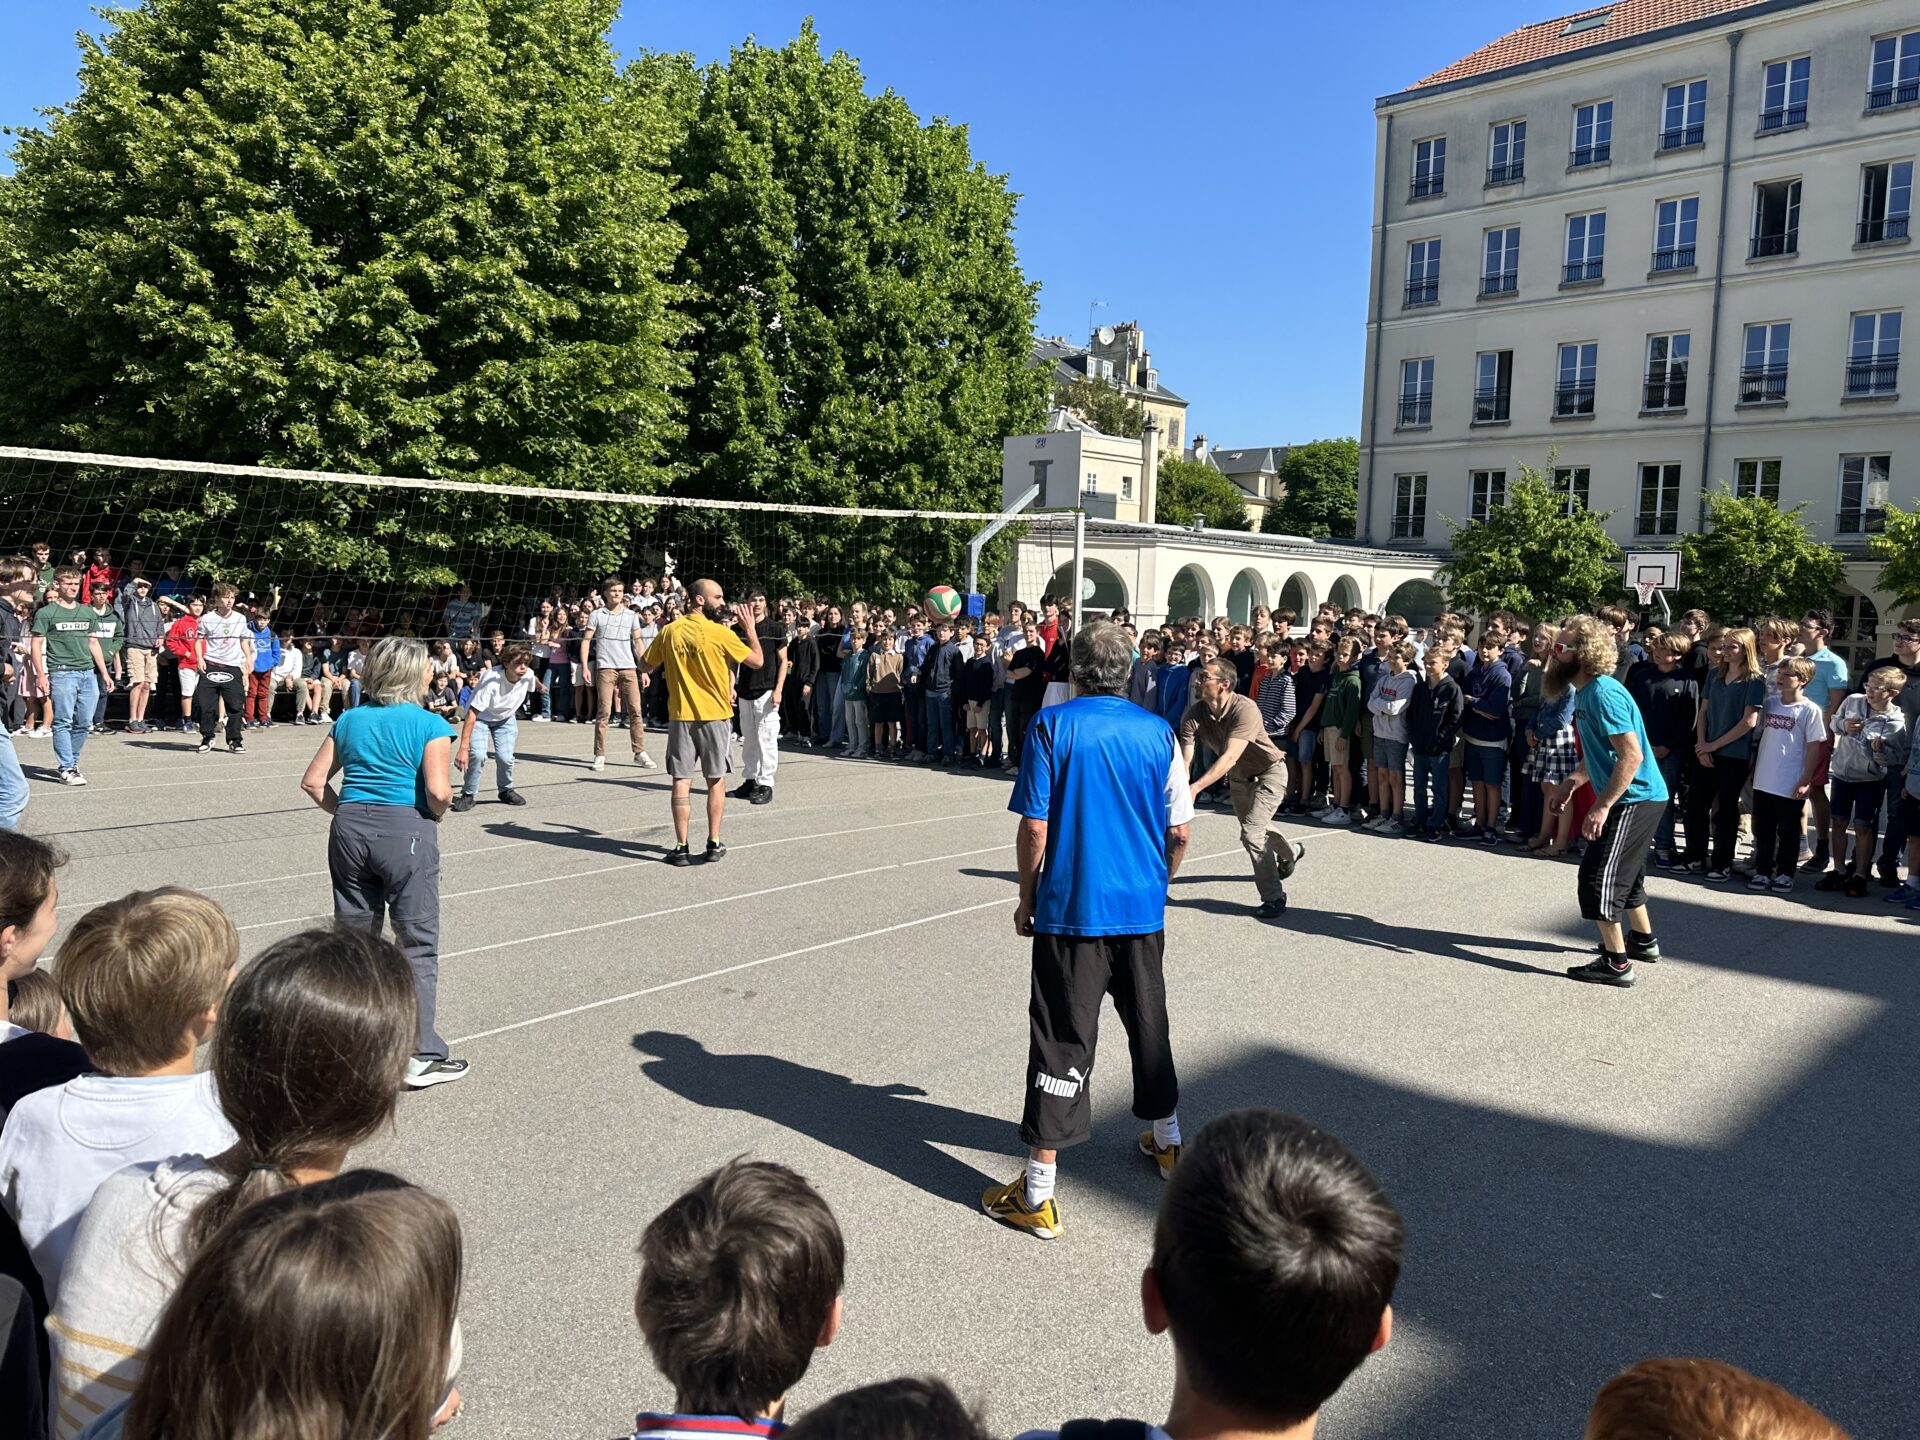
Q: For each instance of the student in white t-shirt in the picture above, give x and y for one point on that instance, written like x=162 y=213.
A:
x=1787 y=756
x=493 y=711
x=223 y=648
x=143 y=978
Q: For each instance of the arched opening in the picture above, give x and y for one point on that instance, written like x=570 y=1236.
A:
x=1189 y=595
x=1297 y=595
x=1247 y=591
x=1420 y=601
x=1856 y=629
x=1345 y=592
x=1101 y=588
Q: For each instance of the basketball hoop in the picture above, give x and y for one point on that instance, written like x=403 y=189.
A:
x=1646 y=593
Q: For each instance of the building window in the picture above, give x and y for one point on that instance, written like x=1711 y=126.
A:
x=1173 y=434
x=1586 y=247
x=1873 y=355
x=1423 y=272
x=1091 y=486
x=1493 y=387
x=1416 y=394
x=1894 y=77
x=1489 y=492
x=1676 y=227
x=1783 y=93
x=1126 y=487
x=1507 y=153
x=1757 y=478
x=1683 y=120
x=1863 y=494
x=1886 y=201
x=1409 y=507
x=1659 y=512
x=1592 y=133
x=1573 y=483
x=1429 y=167
x=1763 y=366
x=1667 y=371
x=1500 y=263
x=1776 y=219
x=1579 y=372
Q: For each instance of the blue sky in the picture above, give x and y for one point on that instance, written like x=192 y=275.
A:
x=1205 y=169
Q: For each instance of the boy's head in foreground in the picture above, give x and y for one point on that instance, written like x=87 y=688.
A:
x=1681 y=1398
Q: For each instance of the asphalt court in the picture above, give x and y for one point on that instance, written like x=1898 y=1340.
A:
x=1721 y=1162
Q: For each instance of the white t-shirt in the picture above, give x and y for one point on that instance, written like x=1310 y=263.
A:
x=1785 y=732
x=494 y=700
x=612 y=632
x=223 y=635
x=60 y=1143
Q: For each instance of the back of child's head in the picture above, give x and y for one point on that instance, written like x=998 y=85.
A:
x=325 y=1310
x=28 y=899
x=33 y=1002
x=738 y=1282
x=910 y=1408
x=137 y=972
x=1275 y=1254
x=312 y=1047
x=1680 y=1398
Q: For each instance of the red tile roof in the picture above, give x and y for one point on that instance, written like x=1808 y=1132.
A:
x=1550 y=37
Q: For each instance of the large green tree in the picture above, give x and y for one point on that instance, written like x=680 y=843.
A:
x=403 y=236
x=1189 y=490
x=1322 y=500
x=1755 y=559
x=1102 y=405
x=1541 y=555
x=1897 y=547
x=863 y=333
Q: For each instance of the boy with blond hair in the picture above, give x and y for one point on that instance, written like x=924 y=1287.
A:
x=1681 y=1398
x=1787 y=755
x=1870 y=747
x=142 y=978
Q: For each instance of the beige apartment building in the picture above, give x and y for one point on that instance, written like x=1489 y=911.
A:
x=1653 y=249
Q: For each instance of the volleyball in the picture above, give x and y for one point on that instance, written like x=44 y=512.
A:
x=942 y=601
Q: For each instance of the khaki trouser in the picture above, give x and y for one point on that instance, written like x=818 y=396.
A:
x=604 y=680
x=1254 y=803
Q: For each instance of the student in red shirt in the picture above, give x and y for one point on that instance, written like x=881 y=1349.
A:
x=100 y=570
x=182 y=642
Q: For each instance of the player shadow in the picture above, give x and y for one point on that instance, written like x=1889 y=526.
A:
x=576 y=837
x=890 y=1127
x=1417 y=940
x=977 y=872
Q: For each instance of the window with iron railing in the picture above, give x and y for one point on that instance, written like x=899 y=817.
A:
x=1493 y=387
x=1488 y=493
x=1409 y=507
x=1592 y=134
x=1763 y=364
x=1684 y=116
x=1776 y=219
x=1886 y=201
x=1586 y=247
x=1574 y=485
x=1757 y=479
x=1864 y=481
x=1659 y=510
x=1429 y=167
x=1423 y=272
x=1573 y=391
x=1666 y=383
x=1893 y=78
x=1783 y=93
x=1873 y=354
x=1416 y=393
x=1500 y=261
x=1507 y=152
x=1676 y=228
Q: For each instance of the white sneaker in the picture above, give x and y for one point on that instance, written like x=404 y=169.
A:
x=1391 y=827
x=644 y=760
x=1335 y=816
x=599 y=762
x=72 y=777
x=43 y=733
x=542 y=719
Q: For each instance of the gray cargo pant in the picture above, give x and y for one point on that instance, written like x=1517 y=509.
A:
x=385 y=861
x=1254 y=803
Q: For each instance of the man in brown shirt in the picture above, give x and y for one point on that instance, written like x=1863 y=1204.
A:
x=1230 y=726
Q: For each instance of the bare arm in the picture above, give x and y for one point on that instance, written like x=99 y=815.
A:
x=1218 y=770
x=100 y=662
x=1030 y=848
x=750 y=632
x=1176 y=849
x=462 y=750
x=317 y=782
x=439 y=787
x=1748 y=719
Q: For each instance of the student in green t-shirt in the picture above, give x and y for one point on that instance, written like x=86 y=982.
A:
x=70 y=663
x=111 y=633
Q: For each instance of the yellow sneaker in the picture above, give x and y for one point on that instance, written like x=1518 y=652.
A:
x=1165 y=1158
x=1008 y=1204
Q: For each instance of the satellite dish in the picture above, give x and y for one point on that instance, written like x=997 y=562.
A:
x=1086 y=587
x=1106 y=334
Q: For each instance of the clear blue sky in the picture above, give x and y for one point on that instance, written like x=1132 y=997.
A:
x=1204 y=168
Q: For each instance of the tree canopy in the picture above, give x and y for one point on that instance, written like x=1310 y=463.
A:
x=1322 y=499
x=1190 y=490
x=1755 y=559
x=1542 y=554
x=1897 y=547
x=1103 y=406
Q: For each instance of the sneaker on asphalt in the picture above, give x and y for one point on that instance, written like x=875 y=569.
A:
x=1335 y=816
x=1782 y=884
x=1913 y=900
x=715 y=851
x=1663 y=860
x=463 y=802
x=1391 y=827
x=512 y=797
x=236 y=748
x=744 y=790
x=1719 y=875
x=424 y=1070
x=644 y=760
x=763 y=795
x=679 y=855
x=1832 y=880
x=1008 y=1204
x=1695 y=867
x=1271 y=909
x=203 y=747
x=1813 y=864
x=1889 y=877
x=542 y=719
x=1856 y=887
x=1760 y=882
x=1163 y=1157
x=1602 y=971
x=1900 y=896
x=71 y=777
x=599 y=762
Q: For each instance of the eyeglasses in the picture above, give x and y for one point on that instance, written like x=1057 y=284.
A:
x=1560 y=647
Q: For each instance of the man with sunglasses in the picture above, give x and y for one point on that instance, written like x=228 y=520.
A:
x=1906 y=659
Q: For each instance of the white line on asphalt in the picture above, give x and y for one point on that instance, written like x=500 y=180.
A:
x=734 y=969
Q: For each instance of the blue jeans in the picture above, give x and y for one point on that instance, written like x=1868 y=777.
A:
x=940 y=741
x=546 y=695
x=560 y=684
x=503 y=733
x=996 y=724
x=13 y=785
x=827 y=716
x=1306 y=743
x=74 y=695
x=1430 y=771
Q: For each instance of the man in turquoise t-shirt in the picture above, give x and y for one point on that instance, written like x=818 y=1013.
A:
x=1827 y=689
x=72 y=668
x=1629 y=796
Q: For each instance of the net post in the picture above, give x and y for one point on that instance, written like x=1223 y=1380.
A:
x=1079 y=562
x=991 y=529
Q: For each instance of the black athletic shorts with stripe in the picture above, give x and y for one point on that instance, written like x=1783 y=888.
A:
x=1613 y=871
x=1072 y=976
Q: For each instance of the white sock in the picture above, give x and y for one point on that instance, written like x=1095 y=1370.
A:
x=1040 y=1183
x=1167 y=1132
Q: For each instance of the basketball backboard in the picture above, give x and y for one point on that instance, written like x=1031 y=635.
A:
x=1651 y=573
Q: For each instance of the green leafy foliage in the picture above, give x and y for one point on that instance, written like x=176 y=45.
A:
x=1189 y=490
x=1898 y=548
x=1103 y=406
x=1533 y=555
x=1322 y=499
x=1755 y=559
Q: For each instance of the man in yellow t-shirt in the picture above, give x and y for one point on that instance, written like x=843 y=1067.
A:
x=697 y=651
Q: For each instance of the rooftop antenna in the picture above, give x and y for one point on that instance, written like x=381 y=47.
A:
x=1093 y=305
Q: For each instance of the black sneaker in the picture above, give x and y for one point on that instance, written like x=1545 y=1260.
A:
x=763 y=795
x=1602 y=971
x=1856 y=886
x=1637 y=949
x=423 y=1070
x=679 y=855
x=716 y=851
x=512 y=797
x=1832 y=880
x=1816 y=864
x=204 y=747
x=1271 y=909
x=1663 y=860
x=235 y=747
x=1889 y=877
x=462 y=803
x=745 y=790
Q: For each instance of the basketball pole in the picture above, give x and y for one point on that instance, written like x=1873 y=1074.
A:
x=1079 y=563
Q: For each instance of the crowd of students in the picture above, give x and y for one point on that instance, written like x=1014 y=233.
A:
x=192 y=1253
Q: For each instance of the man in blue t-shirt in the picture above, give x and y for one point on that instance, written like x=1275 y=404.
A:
x=1827 y=689
x=1629 y=796
x=1104 y=804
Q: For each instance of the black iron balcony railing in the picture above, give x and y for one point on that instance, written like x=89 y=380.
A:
x=1416 y=409
x=1763 y=384
x=1682 y=137
x=1860 y=522
x=1433 y=183
x=1592 y=154
x=1492 y=405
x=1878 y=376
x=1510 y=173
x=1781 y=242
x=1575 y=399
x=1665 y=393
x=1891 y=227
x=1781 y=118
x=1580 y=271
x=1506 y=282
x=1423 y=292
x=1679 y=257
x=1905 y=93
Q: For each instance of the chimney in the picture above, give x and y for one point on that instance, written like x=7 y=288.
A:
x=1200 y=447
x=1149 y=467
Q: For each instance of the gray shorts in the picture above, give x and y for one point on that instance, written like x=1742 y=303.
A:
x=702 y=745
x=1390 y=755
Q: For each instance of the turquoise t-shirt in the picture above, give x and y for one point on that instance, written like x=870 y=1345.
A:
x=853 y=675
x=1829 y=677
x=380 y=747
x=1602 y=708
